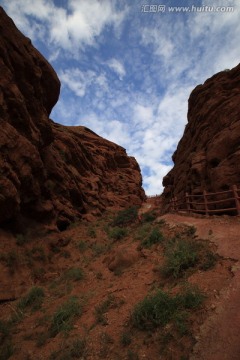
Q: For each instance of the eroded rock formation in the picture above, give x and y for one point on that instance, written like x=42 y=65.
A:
x=49 y=172
x=208 y=155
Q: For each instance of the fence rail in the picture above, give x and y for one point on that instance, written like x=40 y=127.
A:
x=209 y=203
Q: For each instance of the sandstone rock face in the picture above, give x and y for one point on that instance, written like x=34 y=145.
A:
x=49 y=172
x=208 y=155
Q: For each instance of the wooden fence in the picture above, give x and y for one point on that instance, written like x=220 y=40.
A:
x=209 y=203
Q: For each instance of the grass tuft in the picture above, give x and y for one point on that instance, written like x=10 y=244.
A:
x=155 y=237
x=33 y=299
x=117 y=233
x=75 y=274
x=160 y=308
x=180 y=255
x=64 y=316
x=126 y=216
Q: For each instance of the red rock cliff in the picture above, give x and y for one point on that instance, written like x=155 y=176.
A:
x=208 y=155
x=49 y=172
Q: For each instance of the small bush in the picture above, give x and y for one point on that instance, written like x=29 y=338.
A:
x=160 y=308
x=117 y=233
x=33 y=299
x=91 y=232
x=143 y=231
x=155 y=237
x=21 y=239
x=63 y=318
x=209 y=261
x=102 y=308
x=82 y=245
x=180 y=255
x=6 y=350
x=11 y=260
x=125 y=217
x=125 y=339
x=149 y=216
x=75 y=274
x=191 y=230
x=38 y=254
x=132 y=355
x=78 y=348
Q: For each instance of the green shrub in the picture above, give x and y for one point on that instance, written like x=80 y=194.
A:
x=82 y=245
x=75 y=274
x=209 y=261
x=11 y=260
x=160 y=308
x=21 y=239
x=33 y=299
x=6 y=350
x=117 y=233
x=132 y=355
x=38 y=254
x=143 y=231
x=74 y=350
x=91 y=232
x=155 y=237
x=102 y=308
x=180 y=255
x=78 y=348
x=191 y=230
x=125 y=217
x=125 y=339
x=64 y=316
x=149 y=216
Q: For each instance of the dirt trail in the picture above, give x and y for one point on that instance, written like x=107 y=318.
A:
x=219 y=335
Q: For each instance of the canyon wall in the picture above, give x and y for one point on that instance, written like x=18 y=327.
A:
x=49 y=172
x=208 y=154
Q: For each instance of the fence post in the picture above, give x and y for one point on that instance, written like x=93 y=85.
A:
x=176 y=204
x=236 y=197
x=187 y=202
x=205 y=202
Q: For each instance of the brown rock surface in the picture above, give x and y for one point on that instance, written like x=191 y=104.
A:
x=208 y=155
x=49 y=171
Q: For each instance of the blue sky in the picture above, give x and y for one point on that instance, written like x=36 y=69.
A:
x=127 y=73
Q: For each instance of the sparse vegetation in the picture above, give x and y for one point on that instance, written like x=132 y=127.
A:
x=117 y=233
x=33 y=300
x=125 y=339
x=149 y=216
x=209 y=261
x=160 y=308
x=82 y=246
x=155 y=237
x=6 y=346
x=74 y=350
x=102 y=308
x=91 y=232
x=11 y=260
x=132 y=355
x=64 y=316
x=75 y=274
x=180 y=255
x=38 y=254
x=21 y=239
x=126 y=217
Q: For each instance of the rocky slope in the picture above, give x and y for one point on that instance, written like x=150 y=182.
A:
x=208 y=155
x=48 y=171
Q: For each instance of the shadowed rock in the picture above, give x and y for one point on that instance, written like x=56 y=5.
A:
x=49 y=172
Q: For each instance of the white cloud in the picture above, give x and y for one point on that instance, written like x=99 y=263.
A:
x=165 y=56
x=118 y=67
x=70 y=29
